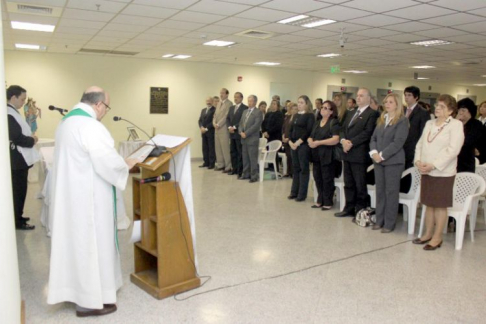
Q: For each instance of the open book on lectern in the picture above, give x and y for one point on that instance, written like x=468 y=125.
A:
x=167 y=141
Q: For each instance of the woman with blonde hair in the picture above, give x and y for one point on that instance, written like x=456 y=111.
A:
x=300 y=130
x=289 y=116
x=386 y=150
x=436 y=159
x=341 y=104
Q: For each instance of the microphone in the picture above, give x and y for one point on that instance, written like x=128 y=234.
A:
x=157 y=151
x=61 y=111
x=163 y=177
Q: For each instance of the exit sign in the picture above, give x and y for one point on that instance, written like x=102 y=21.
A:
x=335 y=69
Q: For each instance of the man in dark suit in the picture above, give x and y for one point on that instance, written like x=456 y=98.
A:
x=249 y=129
x=233 y=120
x=355 y=138
x=207 y=134
x=417 y=118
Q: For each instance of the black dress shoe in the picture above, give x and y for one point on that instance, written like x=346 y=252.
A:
x=344 y=213
x=419 y=241
x=299 y=199
x=25 y=227
x=211 y=167
x=227 y=171
x=203 y=166
x=292 y=197
x=232 y=173
x=243 y=178
x=107 y=309
x=253 y=180
x=218 y=169
x=25 y=219
x=376 y=227
x=316 y=206
x=429 y=247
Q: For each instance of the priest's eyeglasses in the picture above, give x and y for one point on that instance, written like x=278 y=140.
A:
x=108 y=108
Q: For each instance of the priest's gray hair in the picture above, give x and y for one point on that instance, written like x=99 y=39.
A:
x=254 y=97
x=92 y=98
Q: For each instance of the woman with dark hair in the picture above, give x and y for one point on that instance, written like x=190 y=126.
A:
x=272 y=124
x=289 y=116
x=324 y=136
x=436 y=159
x=300 y=130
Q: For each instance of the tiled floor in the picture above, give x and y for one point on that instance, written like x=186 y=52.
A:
x=336 y=271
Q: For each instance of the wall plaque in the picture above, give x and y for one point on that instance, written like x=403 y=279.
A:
x=159 y=100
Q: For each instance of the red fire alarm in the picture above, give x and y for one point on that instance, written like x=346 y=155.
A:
x=343 y=89
x=390 y=91
x=240 y=78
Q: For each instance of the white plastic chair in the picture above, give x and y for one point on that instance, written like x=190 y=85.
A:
x=262 y=143
x=477 y=161
x=481 y=171
x=468 y=187
x=339 y=184
x=371 y=189
x=283 y=156
x=269 y=157
x=411 y=198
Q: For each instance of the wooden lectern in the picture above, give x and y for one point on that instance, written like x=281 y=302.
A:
x=163 y=262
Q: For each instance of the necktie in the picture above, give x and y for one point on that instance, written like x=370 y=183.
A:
x=247 y=116
x=409 y=111
x=354 y=117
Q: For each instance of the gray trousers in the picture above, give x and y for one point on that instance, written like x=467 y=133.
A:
x=387 y=179
x=250 y=160
x=222 y=145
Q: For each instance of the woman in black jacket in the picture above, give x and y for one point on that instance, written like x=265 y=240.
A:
x=324 y=136
x=300 y=130
x=272 y=124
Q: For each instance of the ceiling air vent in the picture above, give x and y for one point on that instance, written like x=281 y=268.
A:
x=21 y=8
x=100 y=51
x=255 y=34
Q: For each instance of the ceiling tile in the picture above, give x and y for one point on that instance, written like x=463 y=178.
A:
x=479 y=27
x=248 y=2
x=301 y=6
x=217 y=29
x=104 y=6
x=136 y=20
x=420 y=12
x=404 y=38
x=118 y=34
x=174 y=4
x=340 y=13
x=375 y=32
x=480 y=12
x=87 y=15
x=240 y=22
x=314 y=33
x=290 y=38
x=36 y=19
x=123 y=27
x=166 y=31
x=217 y=7
x=411 y=27
x=197 y=17
x=81 y=24
x=146 y=11
x=52 y=3
x=76 y=30
x=464 y=5
x=379 y=6
x=264 y=14
x=175 y=24
x=378 y=21
x=441 y=32
x=279 y=28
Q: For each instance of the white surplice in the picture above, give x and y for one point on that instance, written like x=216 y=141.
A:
x=85 y=264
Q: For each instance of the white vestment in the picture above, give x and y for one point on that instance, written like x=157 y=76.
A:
x=85 y=264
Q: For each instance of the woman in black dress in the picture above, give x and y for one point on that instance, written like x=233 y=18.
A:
x=289 y=116
x=272 y=124
x=324 y=136
x=300 y=130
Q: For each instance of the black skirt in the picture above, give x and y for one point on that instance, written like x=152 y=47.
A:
x=436 y=192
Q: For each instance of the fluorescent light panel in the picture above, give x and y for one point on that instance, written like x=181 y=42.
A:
x=480 y=84
x=30 y=46
x=420 y=78
x=330 y=55
x=218 y=43
x=168 y=55
x=432 y=42
x=292 y=19
x=267 y=63
x=355 y=71
x=423 y=67
x=181 y=57
x=319 y=23
x=31 y=26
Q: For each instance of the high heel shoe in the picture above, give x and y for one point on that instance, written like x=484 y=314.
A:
x=429 y=247
x=419 y=241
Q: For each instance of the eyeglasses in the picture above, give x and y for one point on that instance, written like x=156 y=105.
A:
x=327 y=108
x=441 y=106
x=108 y=108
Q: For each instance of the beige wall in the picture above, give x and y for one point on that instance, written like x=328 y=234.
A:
x=59 y=79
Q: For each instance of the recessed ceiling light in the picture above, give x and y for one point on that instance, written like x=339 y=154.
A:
x=480 y=84
x=421 y=78
x=267 y=63
x=432 y=42
x=34 y=27
x=423 y=67
x=29 y=46
x=181 y=57
x=218 y=43
x=292 y=19
x=330 y=55
x=484 y=76
x=168 y=55
x=355 y=71
x=319 y=23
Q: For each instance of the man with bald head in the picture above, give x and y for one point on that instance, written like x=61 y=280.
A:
x=85 y=260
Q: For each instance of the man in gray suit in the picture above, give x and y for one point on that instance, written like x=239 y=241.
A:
x=222 y=144
x=249 y=129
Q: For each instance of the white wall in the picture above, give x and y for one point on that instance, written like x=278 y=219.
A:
x=60 y=79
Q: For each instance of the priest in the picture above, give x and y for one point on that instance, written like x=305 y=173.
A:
x=85 y=259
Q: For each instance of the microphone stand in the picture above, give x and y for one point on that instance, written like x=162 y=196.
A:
x=157 y=151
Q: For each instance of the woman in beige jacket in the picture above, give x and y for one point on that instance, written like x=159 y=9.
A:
x=436 y=159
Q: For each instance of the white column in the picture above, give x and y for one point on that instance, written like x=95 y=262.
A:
x=9 y=267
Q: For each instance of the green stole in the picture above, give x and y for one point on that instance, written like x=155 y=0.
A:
x=81 y=112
